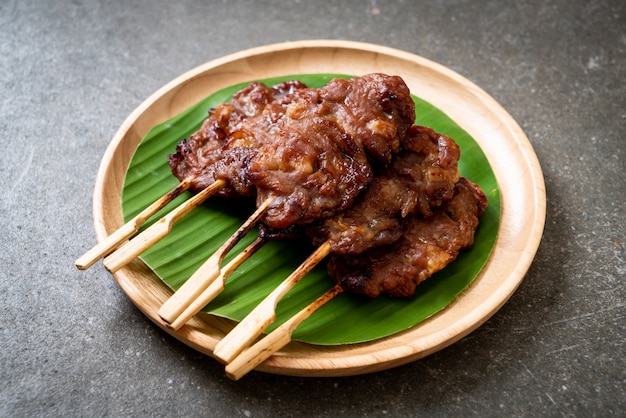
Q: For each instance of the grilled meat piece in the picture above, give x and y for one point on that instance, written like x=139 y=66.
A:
x=418 y=179
x=312 y=169
x=344 y=164
x=427 y=245
x=212 y=153
x=376 y=109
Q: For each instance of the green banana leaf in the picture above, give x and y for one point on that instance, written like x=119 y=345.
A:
x=346 y=319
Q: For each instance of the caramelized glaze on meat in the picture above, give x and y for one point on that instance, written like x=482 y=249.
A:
x=376 y=109
x=216 y=151
x=312 y=169
x=427 y=246
x=418 y=179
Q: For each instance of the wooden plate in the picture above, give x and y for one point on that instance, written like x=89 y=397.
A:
x=504 y=143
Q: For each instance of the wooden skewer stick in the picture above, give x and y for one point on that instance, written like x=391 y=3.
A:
x=277 y=339
x=208 y=272
x=217 y=286
x=128 y=229
x=129 y=251
x=265 y=312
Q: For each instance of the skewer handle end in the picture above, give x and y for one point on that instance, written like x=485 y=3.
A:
x=138 y=245
x=245 y=332
x=111 y=242
x=258 y=353
x=105 y=246
x=190 y=290
x=277 y=339
x=196 y=306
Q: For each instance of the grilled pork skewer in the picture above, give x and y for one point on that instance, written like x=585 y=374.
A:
x=427 y=246
x=213 y=160
x=197 y=164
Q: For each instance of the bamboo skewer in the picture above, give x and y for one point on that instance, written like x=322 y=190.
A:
x=265 y=312
x=208 y=272
x=129 y=251
x=128 y=229
x=217 y=286
x=277 y=339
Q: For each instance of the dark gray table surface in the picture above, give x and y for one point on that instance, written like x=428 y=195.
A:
x=72 y=344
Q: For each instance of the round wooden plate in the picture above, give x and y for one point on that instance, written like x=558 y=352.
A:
x=508 y=150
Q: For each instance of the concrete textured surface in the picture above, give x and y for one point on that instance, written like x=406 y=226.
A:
x=72 y=344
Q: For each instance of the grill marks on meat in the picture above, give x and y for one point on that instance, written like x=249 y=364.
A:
x=309 y=166
x=311 y=170
x=429 y=170
x=427 y=245
x=418 y=179
x=217 y=150
x=376 y=109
